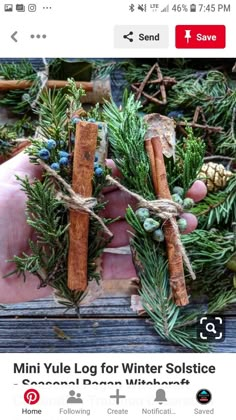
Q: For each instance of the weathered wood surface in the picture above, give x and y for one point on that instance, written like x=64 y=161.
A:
x=93 y=335
x=109 y=306
x=103 y=307
x=106 y=325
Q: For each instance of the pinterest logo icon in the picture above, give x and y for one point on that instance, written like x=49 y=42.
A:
x=31 y=396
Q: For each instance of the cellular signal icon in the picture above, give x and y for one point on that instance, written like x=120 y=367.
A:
x=166 y=9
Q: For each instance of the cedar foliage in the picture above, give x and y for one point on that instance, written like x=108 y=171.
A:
x=126 y=130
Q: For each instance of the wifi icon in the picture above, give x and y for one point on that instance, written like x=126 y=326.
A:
x=166 y=9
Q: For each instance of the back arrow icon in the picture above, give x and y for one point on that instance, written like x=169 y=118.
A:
x=13 y=36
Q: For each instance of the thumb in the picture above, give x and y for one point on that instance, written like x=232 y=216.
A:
x=19 y=165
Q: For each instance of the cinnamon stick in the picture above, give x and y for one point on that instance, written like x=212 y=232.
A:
x=83 y=167
x=150 y=153
x=97 y=91
x=18 y=149
x=175 y=261
x=51 y=84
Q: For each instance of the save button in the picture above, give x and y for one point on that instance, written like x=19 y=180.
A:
x=200 y=36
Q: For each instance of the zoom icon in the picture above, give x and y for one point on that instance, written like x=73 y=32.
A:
x=211 y=329
x=31 y=396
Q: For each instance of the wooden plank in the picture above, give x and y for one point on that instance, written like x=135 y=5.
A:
x=109 y=306
x=94 y=335
x=85 y=336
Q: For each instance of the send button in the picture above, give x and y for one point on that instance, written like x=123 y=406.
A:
x=140 y=36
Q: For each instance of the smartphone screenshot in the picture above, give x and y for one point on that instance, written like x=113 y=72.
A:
x=117 y=210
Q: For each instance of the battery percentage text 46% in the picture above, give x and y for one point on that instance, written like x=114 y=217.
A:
x=180 y=8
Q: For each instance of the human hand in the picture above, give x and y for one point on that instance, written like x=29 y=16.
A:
x=15 y=233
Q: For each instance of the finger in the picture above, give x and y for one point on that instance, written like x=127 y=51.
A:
x=118 y=201
x=121 y=234
x=114 y=172
x=118 y=267
x=19 y=165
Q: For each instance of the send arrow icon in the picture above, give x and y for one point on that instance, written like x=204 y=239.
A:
x=13 y=36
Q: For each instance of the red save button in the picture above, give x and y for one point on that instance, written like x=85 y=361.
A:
x=200 y=36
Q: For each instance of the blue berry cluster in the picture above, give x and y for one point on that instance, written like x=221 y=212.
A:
x=51 y=144
x=49 y=152
x=98 y=170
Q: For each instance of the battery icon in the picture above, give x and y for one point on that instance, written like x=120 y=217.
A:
x=193 y=7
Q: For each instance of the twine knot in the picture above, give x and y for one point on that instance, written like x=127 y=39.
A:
x=75 y=201
x=163 y=208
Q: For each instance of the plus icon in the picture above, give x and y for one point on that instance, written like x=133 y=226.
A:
x=117 y=396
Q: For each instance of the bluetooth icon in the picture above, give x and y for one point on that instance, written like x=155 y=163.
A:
x=131 y=7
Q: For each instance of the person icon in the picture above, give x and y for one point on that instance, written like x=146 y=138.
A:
x=74 y=399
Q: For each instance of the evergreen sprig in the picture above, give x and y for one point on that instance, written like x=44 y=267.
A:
x=19 y=101
x=48 y=254
x=52 y=114
x=209 y=251
x=226 y=142
x=126 y=136
x=155 y=290
x=127 y=131
x=218 y=209
x=47 y=215
x=189 y=159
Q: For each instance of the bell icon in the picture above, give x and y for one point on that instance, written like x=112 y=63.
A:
x=160 y=396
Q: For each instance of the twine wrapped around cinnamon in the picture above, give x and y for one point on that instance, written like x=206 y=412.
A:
x=165 y=209
x=76 y=201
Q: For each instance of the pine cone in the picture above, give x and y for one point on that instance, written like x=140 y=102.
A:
x=214 y=175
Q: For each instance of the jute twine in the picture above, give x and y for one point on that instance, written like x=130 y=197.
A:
x=75 y=201
x=166 y=210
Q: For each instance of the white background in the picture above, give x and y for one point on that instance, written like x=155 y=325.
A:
x=181 y=398
x=86 y=29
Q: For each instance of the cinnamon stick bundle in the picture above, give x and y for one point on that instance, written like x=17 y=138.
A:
x=83 y=167
x=175 y=260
